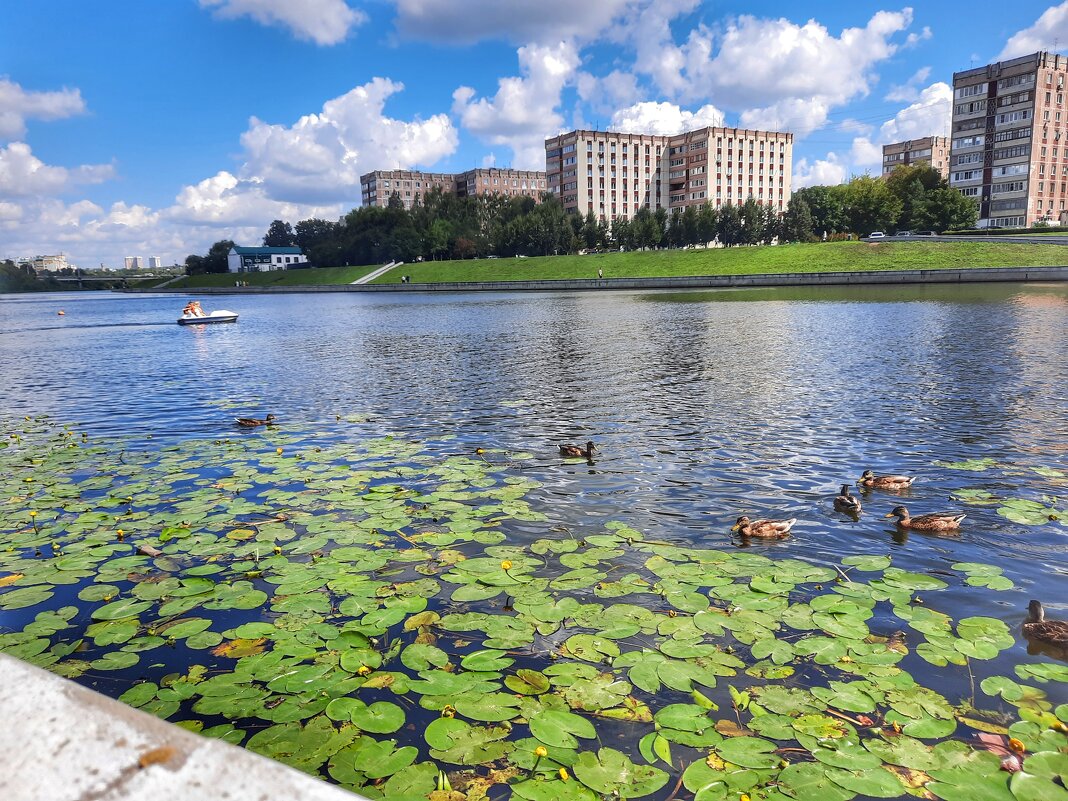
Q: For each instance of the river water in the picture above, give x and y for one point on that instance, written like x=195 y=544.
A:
x=703 y=405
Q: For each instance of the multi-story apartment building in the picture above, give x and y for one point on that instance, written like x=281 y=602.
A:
x=615 y=174
x=493 y=180
x=378 y=186
x=1010 y=140
x=933 y=150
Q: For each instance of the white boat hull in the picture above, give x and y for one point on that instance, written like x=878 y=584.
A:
x=217 y=316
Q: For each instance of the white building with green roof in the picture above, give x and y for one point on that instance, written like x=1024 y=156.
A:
x=262 y=260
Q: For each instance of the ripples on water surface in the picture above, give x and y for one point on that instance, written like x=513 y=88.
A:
x=705 y=405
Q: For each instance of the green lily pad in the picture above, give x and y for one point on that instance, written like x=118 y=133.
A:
x=610 y=771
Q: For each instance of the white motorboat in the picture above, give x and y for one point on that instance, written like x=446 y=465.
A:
x=217 y=316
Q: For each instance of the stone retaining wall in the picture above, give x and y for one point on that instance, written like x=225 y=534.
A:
x=63 y=742
x=943 y=276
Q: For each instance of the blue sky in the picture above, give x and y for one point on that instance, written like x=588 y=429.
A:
x=156 y=128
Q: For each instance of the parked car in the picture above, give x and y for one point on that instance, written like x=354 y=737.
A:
x=925 y=233
x=903 y=233
x=876 y=235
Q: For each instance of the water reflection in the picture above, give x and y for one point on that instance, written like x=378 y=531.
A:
x=705 y=405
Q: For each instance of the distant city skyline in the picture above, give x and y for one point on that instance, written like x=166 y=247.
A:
x=232 y=142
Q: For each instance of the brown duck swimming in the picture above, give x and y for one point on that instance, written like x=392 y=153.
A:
x=1051 y=632
x=937 y=521
x=577 y=452
x=252 y=422
x=869 y=479
x=847 y=502
x=764 y=529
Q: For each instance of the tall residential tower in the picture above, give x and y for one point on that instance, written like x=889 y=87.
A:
x=1010 y=140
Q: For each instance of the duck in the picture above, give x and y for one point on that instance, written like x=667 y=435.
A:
x=252 y=422
x=936 y=521
x=845 y=502
x=764 y=529
x=869 y=479
x=577 y=452
x=1051 y=632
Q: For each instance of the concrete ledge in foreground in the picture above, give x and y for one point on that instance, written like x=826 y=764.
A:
x=62 y=742
x=962 y=275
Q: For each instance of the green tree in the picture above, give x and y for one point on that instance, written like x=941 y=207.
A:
x=948 y=210
x=646 y=232
x=313 y=234
x=901 y=178
x=438 y=238
x=194 y=265
x=660 y=232
x=622 y=233
x=752 y=220
x=688 y=230
x=870 y=205
x=826 y=204
x=729 y=227
x=279 y=235
x=797 y=222
x=589 y=231
x=707 y=223
x=914 y=202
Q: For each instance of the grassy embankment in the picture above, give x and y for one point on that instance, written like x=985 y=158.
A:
x=829 y=257
x=308 y=277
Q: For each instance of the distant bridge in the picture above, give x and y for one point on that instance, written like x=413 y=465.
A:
x=120 y=280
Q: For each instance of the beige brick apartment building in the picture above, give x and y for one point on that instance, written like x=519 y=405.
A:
x=1010 y=140
x=615 y=174
x=933 y=150
x=378 y=186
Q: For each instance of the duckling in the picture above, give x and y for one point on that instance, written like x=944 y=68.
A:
x=937 y=521
x=1050 y=632
x=252 y=422
x=576 y=452
x=764 y=529
x=869 y=479
x=846 y=502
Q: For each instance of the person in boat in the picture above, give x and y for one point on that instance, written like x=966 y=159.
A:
x=193 y=309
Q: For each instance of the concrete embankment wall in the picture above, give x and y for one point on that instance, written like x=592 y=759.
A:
x=64 y=742
x=944 y=276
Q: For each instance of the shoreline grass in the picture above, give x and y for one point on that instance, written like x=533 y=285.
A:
x=796 y=258
x=308 y=277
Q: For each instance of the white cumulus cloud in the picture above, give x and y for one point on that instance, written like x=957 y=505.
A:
x=523 y=112
x=777 y=73
x=818 y=172
x=664 y=119
x=467 y=21
x=325 y=22
x=319 y=159
x=1050 y=27
x=928 y=116
x=18 y=105
x=22 y=174
x=910 y=89
x=608 y=92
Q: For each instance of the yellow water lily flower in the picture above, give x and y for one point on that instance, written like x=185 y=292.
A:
x=564 y=775
x=278 y=451
x=362 y=670
x=541 y=751
x=506 y=565
x=448 y=711
x=1017 y=745
x=33 y=513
